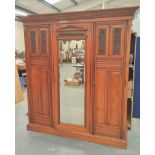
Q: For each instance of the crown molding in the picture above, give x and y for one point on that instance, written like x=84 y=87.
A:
x=104 y=13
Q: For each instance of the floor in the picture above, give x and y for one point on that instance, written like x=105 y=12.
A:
x=33 y=143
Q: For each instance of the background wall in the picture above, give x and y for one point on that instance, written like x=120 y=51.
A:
x=136 y=23
x=19 y=36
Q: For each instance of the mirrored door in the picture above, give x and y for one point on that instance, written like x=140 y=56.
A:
x=72 y=81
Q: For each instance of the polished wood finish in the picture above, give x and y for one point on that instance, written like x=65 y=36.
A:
x=69 y=33
x=107 y=37
x=109 y=84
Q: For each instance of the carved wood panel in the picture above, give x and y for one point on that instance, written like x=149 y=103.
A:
x=44 y=41
x=109 y=39
x=116 y=41
x=38 y=39
x=102 y=41
x=102 y=36
x=33 y=41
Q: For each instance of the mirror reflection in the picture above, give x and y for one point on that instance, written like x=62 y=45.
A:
x=72 y=81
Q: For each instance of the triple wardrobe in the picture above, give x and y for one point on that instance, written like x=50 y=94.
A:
x=77 y=74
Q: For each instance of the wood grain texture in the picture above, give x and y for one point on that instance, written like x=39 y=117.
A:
x=106 y=74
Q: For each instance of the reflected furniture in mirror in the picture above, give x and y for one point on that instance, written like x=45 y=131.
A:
x=71 y=81
x=77 y=74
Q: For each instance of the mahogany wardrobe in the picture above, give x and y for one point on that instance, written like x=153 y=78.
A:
x=92 y=48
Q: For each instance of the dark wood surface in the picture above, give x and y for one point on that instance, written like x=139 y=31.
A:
x=106 y=72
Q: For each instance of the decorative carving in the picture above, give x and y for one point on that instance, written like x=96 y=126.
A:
x=33 y=41
x=71 y=28
x=93 y=14
x=70 y=34
x=43 y=41
x=71 y=31
x=116 y=41
x=102 y=41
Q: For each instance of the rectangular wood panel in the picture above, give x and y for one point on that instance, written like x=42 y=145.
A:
x=40 y=119
x=40 y=95
x=100 y=107
x=108 y=99
x=114 y=103
x=45 y=90
x=35 y=96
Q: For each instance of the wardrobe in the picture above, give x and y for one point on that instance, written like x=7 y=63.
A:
x=103 y=60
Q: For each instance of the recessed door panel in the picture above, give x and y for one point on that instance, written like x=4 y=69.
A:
x=100 y=100
x=40 y=95
x=45 y=90
x=108 y=99
x=35 y=94
x=115 y=94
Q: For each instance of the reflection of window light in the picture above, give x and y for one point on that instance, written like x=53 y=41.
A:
x=19 y=12
x=52 y=1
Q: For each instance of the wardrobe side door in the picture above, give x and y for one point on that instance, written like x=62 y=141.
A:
x=108 y=78
x=38 y=75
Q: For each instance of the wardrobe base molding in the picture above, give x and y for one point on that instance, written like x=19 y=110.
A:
x=76 y=135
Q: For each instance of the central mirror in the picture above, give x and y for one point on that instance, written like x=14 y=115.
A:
x=72 y=81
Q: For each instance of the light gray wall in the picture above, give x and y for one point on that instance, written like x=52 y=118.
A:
x=19 y=36
x=136 y=23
